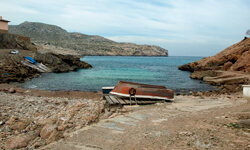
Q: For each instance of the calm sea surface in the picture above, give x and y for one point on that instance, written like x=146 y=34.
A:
x=108 y=70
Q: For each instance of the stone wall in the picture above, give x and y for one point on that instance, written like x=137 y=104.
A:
x=27 y=39
x=14 y=41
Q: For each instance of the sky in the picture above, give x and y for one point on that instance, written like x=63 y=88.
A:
x=183 y=27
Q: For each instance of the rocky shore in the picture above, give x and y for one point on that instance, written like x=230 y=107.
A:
x=31 y=122
x=34 y=118
x=228 y=70
x=13 y=70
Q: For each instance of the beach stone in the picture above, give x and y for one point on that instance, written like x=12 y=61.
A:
x=16 y=123
x=37 y=144
x=199 y=93
x=12 y=120
x=75 y=109
x=19 y=125
x=186 y=133
x=106 y=115
x=21 y=140
x=51 y=120
x=47 y=130
x=245 y=123
x=113 y=115
x=11 y=90
x=61 y=128
x=207 y=93
x=17 y=142
x=54 y=136
x=113 y=110
x=216 y=92
x=3 y=135
x=192 y=93
x=1 y=122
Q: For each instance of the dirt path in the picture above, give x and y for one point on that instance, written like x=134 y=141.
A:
x=188 y=123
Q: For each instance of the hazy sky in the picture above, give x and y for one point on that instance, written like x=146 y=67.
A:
x=184 y=27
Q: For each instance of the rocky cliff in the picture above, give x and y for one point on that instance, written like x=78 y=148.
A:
x=228 y=69
x=233 y=58
x=53 y=37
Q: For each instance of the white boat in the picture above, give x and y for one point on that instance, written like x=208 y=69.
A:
x=106 y=90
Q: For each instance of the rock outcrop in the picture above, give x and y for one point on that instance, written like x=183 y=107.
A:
x=12 y=69
x=61 y=63
x=228 y=69
x=233 y=58
x=13 y=41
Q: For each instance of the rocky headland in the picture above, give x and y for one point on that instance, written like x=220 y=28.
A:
x=51 y=38
x=12 y=68
x=228 y=70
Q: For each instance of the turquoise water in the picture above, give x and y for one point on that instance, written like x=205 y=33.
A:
x=108 y=70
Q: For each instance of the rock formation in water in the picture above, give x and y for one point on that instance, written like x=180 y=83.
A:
x=61 y=63
x=228 y=69
x=233 y=58
x=53 y=37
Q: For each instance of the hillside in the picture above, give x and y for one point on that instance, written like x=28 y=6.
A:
x=53 y=37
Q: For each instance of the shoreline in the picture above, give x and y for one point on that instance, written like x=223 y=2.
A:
x=48 y=93
x=46 y=118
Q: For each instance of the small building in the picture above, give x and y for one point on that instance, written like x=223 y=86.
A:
x=3 y=25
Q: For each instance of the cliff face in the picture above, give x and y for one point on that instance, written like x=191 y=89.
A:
x=12 y=41
x=53 y=37
x=233 y=58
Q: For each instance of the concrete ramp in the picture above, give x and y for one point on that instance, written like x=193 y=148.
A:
x=39 y=66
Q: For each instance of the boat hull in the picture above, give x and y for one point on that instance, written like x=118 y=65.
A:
x=107 y=90
x=143 y=91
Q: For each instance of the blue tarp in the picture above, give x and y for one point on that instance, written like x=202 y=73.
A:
x=30 y=59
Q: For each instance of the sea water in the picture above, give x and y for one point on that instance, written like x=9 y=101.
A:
x=109 y=70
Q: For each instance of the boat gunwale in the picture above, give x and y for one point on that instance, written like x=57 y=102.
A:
x=141 y=84
x=142 y=96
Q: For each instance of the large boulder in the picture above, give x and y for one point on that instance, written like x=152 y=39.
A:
x=21 y=140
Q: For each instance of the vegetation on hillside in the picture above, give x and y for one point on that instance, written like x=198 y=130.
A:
x=44 y=34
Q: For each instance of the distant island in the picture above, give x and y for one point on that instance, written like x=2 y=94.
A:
x=53 y=38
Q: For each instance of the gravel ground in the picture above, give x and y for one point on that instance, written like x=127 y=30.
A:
x=43 y=119
x=31 y=119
